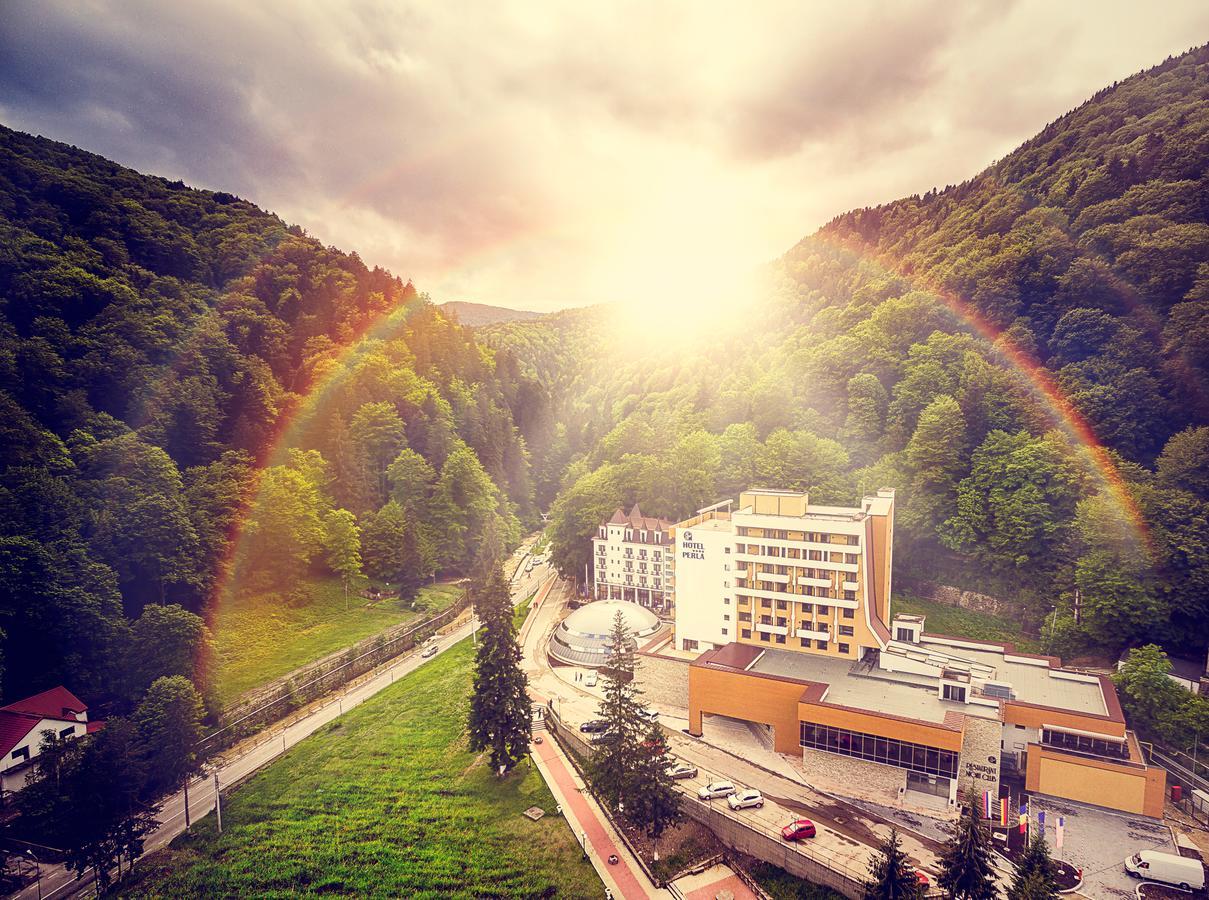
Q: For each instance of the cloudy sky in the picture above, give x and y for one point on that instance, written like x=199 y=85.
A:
x=551 y=155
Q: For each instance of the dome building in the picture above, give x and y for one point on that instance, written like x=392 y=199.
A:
x=582 y=638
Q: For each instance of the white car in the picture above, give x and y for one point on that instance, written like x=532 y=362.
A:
x=590 y=680
x=649 y=715
x=716 y=790
x=429 y=651
x=745 y=799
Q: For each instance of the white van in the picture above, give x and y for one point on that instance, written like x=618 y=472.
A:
x=1151 y=865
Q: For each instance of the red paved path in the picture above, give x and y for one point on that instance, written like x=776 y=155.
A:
x=598 y=837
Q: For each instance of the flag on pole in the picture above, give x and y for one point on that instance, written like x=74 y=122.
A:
x=1003 y=811
x=1023 y=818
x=1060 y=829
x=1041 y=819
x=986 y=805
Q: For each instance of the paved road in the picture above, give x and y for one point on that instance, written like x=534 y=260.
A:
x=245 y=759
x=846 y=834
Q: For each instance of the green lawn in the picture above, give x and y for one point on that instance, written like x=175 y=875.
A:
x=957 y=622
x=261 y=636
x=384 y=802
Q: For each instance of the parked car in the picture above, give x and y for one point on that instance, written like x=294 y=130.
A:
x=590 y=679
x=716 y=790
x=650 y=715
x=798 y=830
x=746 y=799
x=1152 y=865
x=594 y=726
x=430 y=650
x=681 y=770
x=922 y=879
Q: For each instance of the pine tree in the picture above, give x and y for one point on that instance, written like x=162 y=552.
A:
x=1036 y=875
x=966 y=871
x=891 y=876
x=653 y=803
x=618 y=747
x=500 y=710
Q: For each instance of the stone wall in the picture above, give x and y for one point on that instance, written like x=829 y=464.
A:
x=954 y=596
x=664 y=681
x=978 y=765
x=857 y=778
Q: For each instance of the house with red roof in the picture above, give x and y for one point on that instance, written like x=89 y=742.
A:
x=23 y=725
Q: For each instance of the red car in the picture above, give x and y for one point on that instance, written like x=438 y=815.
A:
x=798 y=830
x=921 y=878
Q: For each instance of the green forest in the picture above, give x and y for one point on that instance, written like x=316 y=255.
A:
x=197 y=399
x=884 y=352
x=202 y=402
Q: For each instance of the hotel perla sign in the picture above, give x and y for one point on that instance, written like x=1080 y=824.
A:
x=690 y=549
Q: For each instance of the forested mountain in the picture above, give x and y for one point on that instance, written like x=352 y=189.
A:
x=180 y=369
x=475 y=314
x=944 y=344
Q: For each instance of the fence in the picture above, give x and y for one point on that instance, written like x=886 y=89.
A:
x=1183 y=770
x=319 y=678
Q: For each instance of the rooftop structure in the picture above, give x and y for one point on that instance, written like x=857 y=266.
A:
x=583 y=637
x=24 y=723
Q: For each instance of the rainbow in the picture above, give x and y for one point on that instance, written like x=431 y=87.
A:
x=1041 y=383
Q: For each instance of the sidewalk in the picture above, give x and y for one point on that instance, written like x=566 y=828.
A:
x=587 y=821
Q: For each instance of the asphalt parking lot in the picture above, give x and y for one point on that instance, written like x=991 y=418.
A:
x=1098 y=840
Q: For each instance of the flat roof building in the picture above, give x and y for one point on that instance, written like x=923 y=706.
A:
x=872 y=704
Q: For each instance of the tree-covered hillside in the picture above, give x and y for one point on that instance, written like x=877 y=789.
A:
x=896 y=348
x=180 y=369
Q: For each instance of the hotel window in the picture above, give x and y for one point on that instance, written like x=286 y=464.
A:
x=1083 y=744
x=824 y=610
x=954 y=692
x=764 y=636
x=906 y=635
x=844 y=649
x=849 y=595
x=726 y=550
x=889 y=751
x=805 y=642
x=781 y=604
x=849 y=613
x=820 y=645
x=807 y=607
x=846 y=630
x=690 y=644
x=765 y=603
x=725 y=617
x=725 y=631
x=780 y=638
x=70 y=731
x=21 y=753
x=746 y=632
x=726 y=600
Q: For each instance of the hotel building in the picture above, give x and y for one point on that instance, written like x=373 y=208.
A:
x=630 y=560
x=790 y=603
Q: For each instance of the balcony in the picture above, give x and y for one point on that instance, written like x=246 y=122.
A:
x=812 y=634
x=814 y=582
x=852 y=586
x=773 y=577
x=772 y=629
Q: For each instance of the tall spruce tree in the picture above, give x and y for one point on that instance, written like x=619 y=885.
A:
x=618 y=747
x=891 y=876
x=1035 y=878
x=501 y=713
x=653 y=803
x=966 y=871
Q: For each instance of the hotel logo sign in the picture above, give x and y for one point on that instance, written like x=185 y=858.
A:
x=690 y=549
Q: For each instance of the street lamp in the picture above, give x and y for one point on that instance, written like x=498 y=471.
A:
x=38 y=863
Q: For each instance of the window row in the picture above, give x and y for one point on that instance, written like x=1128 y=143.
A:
x=890 y=751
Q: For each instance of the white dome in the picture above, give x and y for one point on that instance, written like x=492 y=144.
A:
x=582 y=638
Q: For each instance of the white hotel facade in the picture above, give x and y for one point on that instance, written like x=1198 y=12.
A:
x=631 y=560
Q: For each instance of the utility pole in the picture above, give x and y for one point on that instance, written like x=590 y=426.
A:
x=187 y=823
x=217 y=802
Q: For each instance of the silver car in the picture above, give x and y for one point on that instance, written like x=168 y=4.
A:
x=678 y=771
x=430 y=650
x=715 y=790
x=745 y=799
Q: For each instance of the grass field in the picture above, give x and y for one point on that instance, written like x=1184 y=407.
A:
x=958 y=622
x=384 y=802
x=780 y=885
x=262 y=636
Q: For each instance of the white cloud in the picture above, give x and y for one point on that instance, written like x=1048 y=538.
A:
x=543 y=156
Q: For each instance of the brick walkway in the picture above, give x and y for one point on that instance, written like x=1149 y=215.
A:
x=625 y=879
